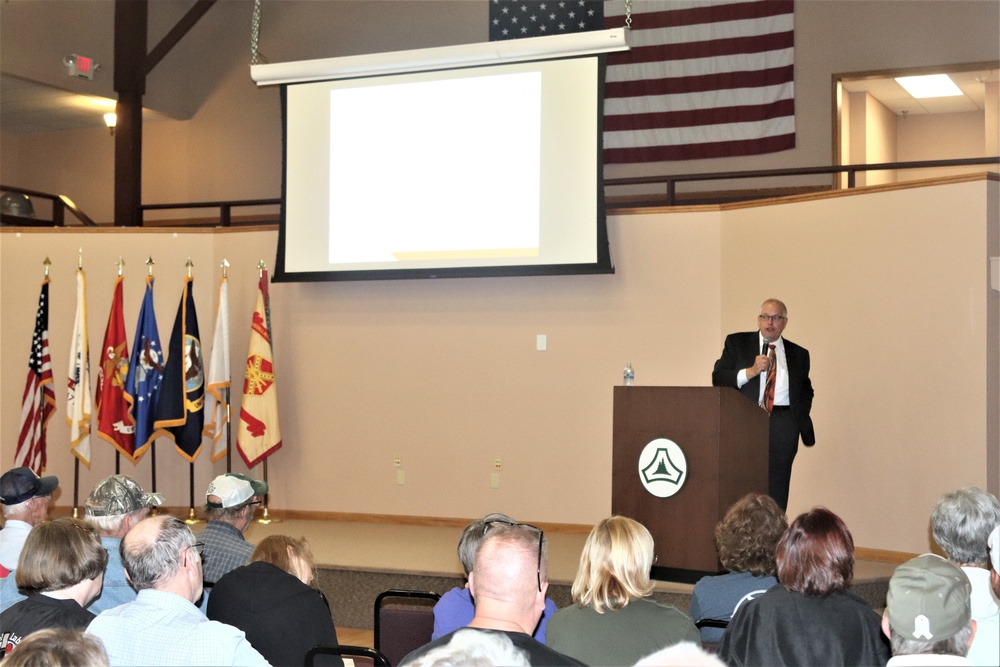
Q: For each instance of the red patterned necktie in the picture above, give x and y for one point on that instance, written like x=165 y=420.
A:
x=772 y=372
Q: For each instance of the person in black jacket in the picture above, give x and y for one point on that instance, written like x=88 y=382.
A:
x=272 y=601
x=773 y=372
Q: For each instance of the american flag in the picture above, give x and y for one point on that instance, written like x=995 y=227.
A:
x=39 y=401
x=703 y=79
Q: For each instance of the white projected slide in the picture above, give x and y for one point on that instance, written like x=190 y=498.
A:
x=447 y=127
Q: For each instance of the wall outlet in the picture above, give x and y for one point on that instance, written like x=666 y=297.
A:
x=397 y=461
x=497 y=464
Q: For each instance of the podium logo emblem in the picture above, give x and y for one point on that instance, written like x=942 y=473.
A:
x=662 y=467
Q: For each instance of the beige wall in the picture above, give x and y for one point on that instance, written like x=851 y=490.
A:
x=228 y=146
x=445 y=373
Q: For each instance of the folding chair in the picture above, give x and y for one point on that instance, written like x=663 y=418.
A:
x=361 y=655
x=404 y=624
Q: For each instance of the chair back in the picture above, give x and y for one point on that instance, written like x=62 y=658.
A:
x=361 y=655
x=404 y=621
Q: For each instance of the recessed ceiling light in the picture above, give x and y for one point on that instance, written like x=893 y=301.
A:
x=932 y=85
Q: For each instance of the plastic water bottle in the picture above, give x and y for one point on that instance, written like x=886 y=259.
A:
x=628 y=376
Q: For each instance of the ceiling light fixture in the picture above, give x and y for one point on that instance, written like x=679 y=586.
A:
x=931 y=85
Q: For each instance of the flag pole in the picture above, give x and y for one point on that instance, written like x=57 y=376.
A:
x=152 y=444
x=265 y=517
x=76 y=459
x=118 y=454
x=192 y=519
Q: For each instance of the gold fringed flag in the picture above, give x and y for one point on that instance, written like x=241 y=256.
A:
x=39 y=401
x=114 y=423
x=78 y=405
x=145 y=374
x=180 y=411
x=218 y=377
x=259 y=434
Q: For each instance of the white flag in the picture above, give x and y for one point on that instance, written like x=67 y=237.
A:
x=219 y=377
x=78 y=406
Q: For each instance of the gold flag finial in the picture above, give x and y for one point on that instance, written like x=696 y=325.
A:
x=79 y=261
x=121 y=265
x=225 y=267
x=149 y=265
x=261 y=266
x=190 y=265
x=47 y=263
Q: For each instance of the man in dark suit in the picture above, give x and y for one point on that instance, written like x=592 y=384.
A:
x=747 y=360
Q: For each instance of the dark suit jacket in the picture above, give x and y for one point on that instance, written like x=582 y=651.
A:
x=740 y=351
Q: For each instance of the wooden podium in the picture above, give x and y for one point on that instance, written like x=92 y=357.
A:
x=724 y=438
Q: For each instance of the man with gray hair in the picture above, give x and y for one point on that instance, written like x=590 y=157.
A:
x=961 y=524
x=456 y=608
x=928 y=617
x=162 y=626
x=115 y=505
x=508 y=582
x=230 y=502
x=25 y=499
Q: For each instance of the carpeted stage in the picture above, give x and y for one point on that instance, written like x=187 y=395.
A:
x=358 y=560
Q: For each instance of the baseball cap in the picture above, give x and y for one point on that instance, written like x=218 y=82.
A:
x=994 y=543
x=234 y=489
x=22 y=484
x=928 y=599
x=119 y=495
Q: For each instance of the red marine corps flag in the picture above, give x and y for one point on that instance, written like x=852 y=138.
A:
x=114 y=423
x=259 y=434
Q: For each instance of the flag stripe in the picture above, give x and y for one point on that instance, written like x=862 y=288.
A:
x=703 y=151
x=692 y=69
x=700 y=76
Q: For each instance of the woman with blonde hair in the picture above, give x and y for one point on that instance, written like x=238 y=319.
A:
x=271 y=599
x=613 y=620
x=61 y=568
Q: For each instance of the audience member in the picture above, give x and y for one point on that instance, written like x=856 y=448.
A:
x=811 y=618
x=25 y=498
x=508 y=583
x=961 y=524
x=272 y=601
x=456 y=607
x=468 y=648
x=230 y=502
x=61 y=568
x=58 y=647
x=928 y=616
x=746 y=539
x=684 y=654
x=116 y=504
x=163 y=562
x=612 y=620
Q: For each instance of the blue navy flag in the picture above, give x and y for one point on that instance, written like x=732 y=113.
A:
x=513 y=19
x=180 y=411
x=145 y=373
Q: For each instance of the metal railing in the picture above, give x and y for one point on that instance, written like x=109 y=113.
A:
x=225 y=208
x=671 y=181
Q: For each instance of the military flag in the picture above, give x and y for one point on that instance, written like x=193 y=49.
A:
x=259 y=433
x=78 y=401
x=39 y=401
x=145 y=374
x=114 y=423
x=180 y=411
x=218 y=376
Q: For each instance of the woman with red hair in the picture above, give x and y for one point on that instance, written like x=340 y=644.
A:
x=810 y=618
